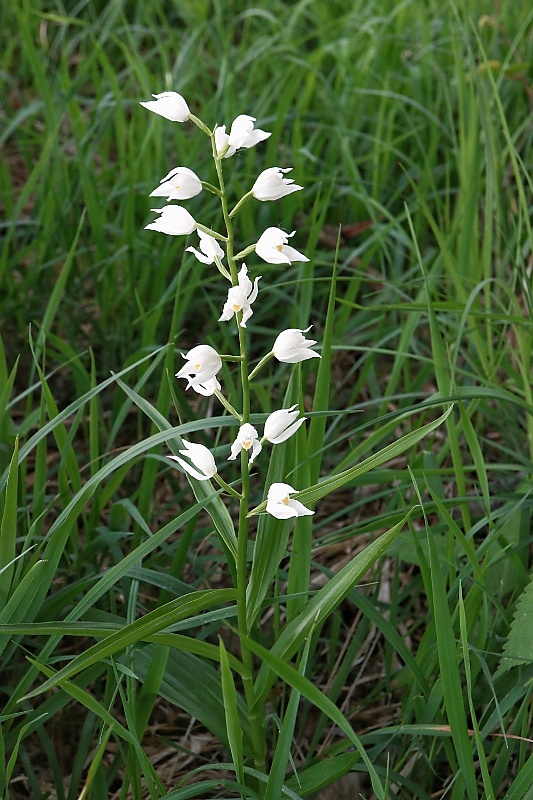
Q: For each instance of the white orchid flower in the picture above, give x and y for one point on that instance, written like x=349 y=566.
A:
x=242 y=134
x=181 y=183
x=280 y=505
x=280 y=425
x=210 y=249
x=170 y=105
x=174 y=221
x=271 y=185
x=246 y=438
x=240 y=298
x=202 y=466
x=291 y=346
x=273 y=248
x=202 y=365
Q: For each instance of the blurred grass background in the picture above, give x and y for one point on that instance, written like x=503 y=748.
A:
x=410 y=126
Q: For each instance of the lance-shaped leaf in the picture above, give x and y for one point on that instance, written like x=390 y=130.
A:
x=330 y=484
x=323 y=603
x=139 y=630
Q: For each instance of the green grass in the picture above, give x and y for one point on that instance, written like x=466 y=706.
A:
x=408 y=124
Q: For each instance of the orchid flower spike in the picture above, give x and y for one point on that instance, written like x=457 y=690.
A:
x=246 y=438
x=210 y=249
x=174 y=221
x=242 y=134
x=271 y=185
x=280 y=505
x=240 y=298
x=280 y=425
x=170 y=105
x=291 y=346
x=202 y=365
x=202 y=466
x=273 y=248
x=181 y=183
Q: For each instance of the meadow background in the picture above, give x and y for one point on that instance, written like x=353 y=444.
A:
x=409 y=124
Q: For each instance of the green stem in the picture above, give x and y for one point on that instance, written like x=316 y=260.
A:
x=256 y=722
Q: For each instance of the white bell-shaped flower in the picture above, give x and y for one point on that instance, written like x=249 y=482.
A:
x=291 y=346
x=242 y=134
x=170 y=105
x=271 y=185
x=240 y=298
x=247 y=439
x=202 y=464
x=273 y=248
x=203 y=363
x=210 y=249
x=181 y=183
x=280 y=505
x=174 y=221
x=280 y=425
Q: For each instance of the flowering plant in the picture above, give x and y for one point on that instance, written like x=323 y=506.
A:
x=260 y=759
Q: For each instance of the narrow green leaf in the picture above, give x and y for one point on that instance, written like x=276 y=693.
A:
x=17 y=606
x=327 y=485
x=451 y=685
x=195 y=687
x=522 y=786
x=282 y=753
x=323 y=603
x=217 y=510
x=322 y=774
x=89 y=701
x=8 y=528
x=150 y=688
x=96 y=760
x=317 y=426
x=233 y=725
x=301 y=684
x=58 y=290
x=153 y=622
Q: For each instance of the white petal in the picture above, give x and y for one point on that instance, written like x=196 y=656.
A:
x=256 y=449
x=170 y=105
x=235 y=450
x=247 y=313
x=292 y=254
x=188 y=468
x=208 y=388
x=300 y=509
x=200 y=256
x=282 y=436
x=281 y=511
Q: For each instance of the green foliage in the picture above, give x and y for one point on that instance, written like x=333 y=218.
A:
x=518 y=648
x=391 y=641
